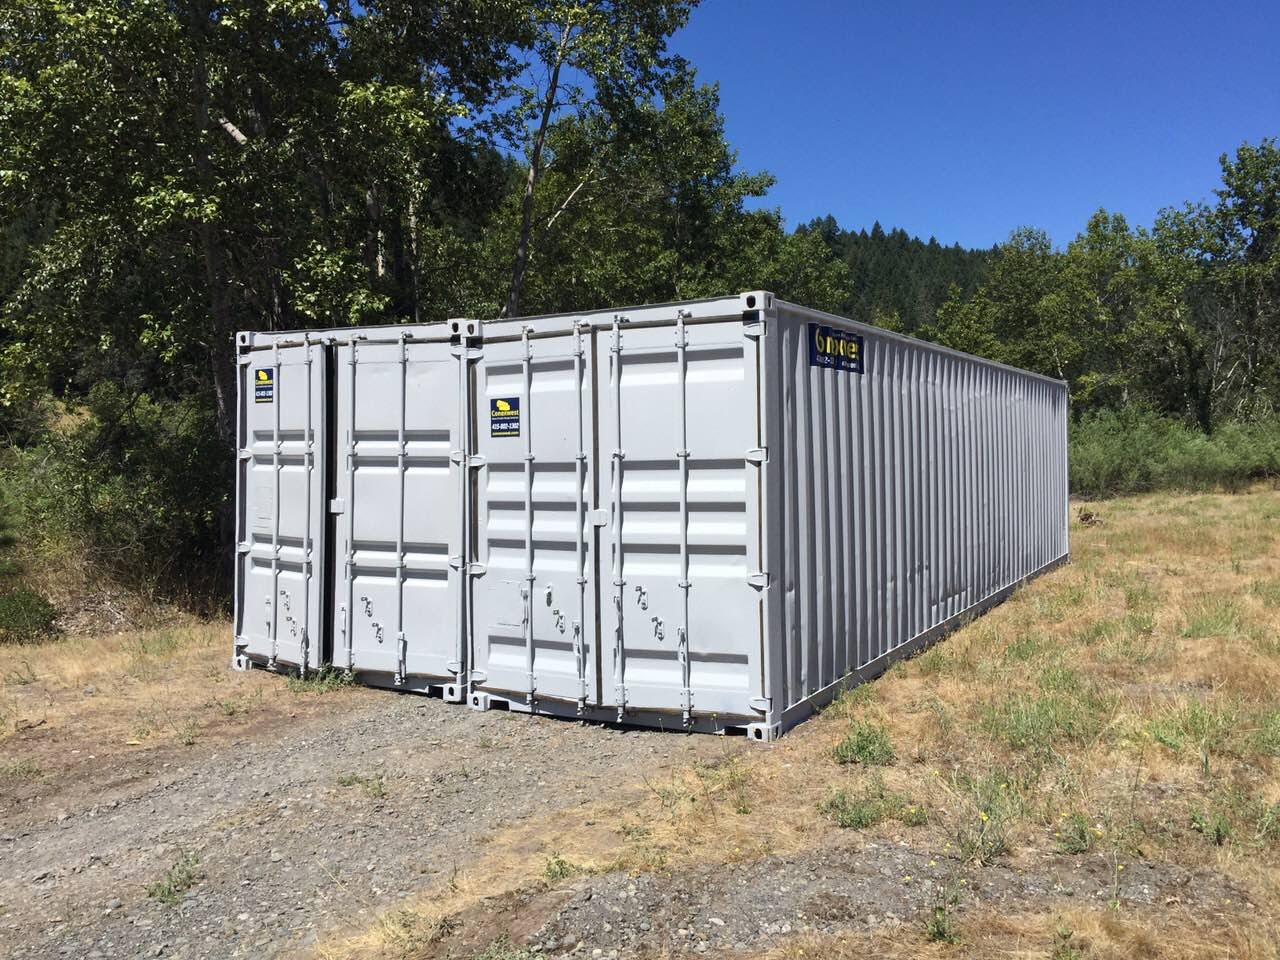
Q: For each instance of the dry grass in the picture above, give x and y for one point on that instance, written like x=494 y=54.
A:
x=1103 y=707
x=1127 y=704
x=75 y=706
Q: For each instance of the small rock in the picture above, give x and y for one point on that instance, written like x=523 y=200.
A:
x=90 y=690
x=716 y=921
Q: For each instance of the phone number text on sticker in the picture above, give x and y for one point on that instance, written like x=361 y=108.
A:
x=504 y=417
x=264 y=385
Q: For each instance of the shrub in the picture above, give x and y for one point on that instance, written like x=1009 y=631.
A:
x=1134 y=450
x=139 y=482
x=25 y=616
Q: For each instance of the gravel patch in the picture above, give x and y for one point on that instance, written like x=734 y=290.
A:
x=314 y=827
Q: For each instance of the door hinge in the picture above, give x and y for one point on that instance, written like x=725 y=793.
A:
x=761 y=704
x=337 y=505
x=759 y=579
x=598 y=518
x=757 y=454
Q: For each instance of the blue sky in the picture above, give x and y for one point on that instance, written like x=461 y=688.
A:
x=963 y=121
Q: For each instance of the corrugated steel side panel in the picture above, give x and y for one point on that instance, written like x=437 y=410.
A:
x=907 y=496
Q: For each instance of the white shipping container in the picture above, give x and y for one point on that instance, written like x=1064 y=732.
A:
x=709 y=515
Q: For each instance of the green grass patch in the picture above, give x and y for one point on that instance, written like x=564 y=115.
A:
x=1198 y=725
x=24 y=769
x=873 y=804
x=1268 y=591
x=1212 y=617
x=160 y=643
x=324 y=680
x=180 y=878
x=375 y=787
x=557 y=868
x=1265 y=737
x=1022 y=648
x=1060 y=712
x=1213 y=825
x=1074 y=835
x=867 y=742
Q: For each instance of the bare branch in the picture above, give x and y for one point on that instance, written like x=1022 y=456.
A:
x=569 y=199
x=233 y=131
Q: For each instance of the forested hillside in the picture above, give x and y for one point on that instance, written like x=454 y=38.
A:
x=173 y=172
x=897 y=280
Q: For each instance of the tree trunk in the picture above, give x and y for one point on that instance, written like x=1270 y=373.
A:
x=521 y=263
x=220 y=347
x=222 y=360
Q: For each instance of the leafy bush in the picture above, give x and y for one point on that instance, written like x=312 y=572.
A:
x=25 y=616
x=1134 y=450
x=138 y=482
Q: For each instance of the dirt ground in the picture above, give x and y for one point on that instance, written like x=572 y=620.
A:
x=1090 y=770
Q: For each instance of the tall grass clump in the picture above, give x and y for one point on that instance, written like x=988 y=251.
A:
x=1132 y=451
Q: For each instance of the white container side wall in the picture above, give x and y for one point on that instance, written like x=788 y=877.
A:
x=904 y=498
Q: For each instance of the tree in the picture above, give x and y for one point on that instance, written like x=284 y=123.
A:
x=601 y=58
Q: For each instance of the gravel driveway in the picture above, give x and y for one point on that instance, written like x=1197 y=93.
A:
x=306 y=829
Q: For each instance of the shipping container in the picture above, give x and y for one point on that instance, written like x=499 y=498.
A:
x=710 y=515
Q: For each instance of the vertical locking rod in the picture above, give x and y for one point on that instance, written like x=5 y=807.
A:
x=402 y=653
x=275 y=511
x=350 y=507
x=619 y=583
x=580 y=533
x=682 y=456
x=308 y=455
x=527 y=415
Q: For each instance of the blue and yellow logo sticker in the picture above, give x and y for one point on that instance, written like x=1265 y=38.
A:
x=834 y=348
x=504 y=417
x=264 y=385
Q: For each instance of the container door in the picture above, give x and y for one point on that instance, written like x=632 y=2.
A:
x=400 y=516
x=678 y=416
x=282 y=464
x=533 y=603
